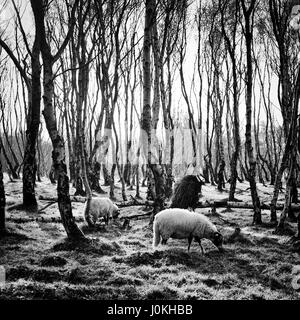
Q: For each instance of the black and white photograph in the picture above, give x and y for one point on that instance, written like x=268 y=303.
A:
x=149 y=152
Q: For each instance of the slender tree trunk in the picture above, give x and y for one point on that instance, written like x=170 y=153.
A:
x=13 y=168
x=105 y=175
x=248 y=33
x=2 y=202
x=291 y=150
x=85 y=176
x=78 y=165
x=112 y=182
x=219 y=137
x=146 y=122
x=137 y=194
x=231 y=47
x=279 y=13
x=285 y=158
x=58 y=153
x=94 y=177
x=121 y=175
x=33 y=122
x=12 y=173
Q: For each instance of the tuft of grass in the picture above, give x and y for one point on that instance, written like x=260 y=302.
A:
x=133 y=243
x=159 y=258
x=211 y=282
x=164 y=293
x=77 y=275
x=124 y=280
x=40 y=275
x=53 y=261
x=89 y=246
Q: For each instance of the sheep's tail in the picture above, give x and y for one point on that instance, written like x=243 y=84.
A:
x=156 y=234
x=87 y=215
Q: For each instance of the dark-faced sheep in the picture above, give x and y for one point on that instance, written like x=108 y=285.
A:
x=100 y=207
x=186 y=192
x=180 y=224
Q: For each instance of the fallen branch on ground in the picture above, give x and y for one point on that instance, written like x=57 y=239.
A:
x=40 y=219
x=130 y=203
x=242 y=205
x=45 y=207
x=54 y=199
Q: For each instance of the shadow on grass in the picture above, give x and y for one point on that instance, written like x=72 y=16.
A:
x=162 y=294
x=89 y=246
x=40 y=274
x=13 y=237
x=66 y=292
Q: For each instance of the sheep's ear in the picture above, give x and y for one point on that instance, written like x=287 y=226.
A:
x=218 y=239
x=218 y=235
x=198 y=177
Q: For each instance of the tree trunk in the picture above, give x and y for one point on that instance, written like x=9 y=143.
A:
x=105 y=175
x=291 y=149
x=289 y=152
x=2 y=202
x=231 y=47
x=219 y=114
x=94 y=177
x=248 y=33
x=112 y=182
x=13 y=167
x=146 y=122
x=280 y=15
x=137 y=192
x=58 y=153
x=120 y=172
x=33 y=122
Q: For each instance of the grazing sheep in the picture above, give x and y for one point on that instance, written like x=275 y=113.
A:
x=186 y=192
x=100 y=207
x=180 y=223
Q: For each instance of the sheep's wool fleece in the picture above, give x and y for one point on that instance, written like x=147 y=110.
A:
x=101 y=207
x=180 y=223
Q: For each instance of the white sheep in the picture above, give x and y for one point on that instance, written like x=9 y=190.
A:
x=100 y=207
x=181 y=223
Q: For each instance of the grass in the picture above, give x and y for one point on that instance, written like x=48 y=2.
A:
x=41 y=263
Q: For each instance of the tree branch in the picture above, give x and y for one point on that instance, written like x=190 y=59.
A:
x=15 y=61
x=69 y=33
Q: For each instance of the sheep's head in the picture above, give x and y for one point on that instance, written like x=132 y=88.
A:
x=217 y=239
x=116 y=212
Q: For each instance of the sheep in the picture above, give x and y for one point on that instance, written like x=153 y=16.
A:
x=181 y=223
x=100 y=207
x=186 y=192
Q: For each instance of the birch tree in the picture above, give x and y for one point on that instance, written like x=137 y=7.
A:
x=248 y=13
x=58 y=153
x=146 y=121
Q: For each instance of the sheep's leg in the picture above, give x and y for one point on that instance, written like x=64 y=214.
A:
x=199 y=241
x=202 y=250
x=164 y=241
x=190 y=239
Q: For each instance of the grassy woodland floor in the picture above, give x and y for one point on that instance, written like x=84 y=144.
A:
x=121 y=264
